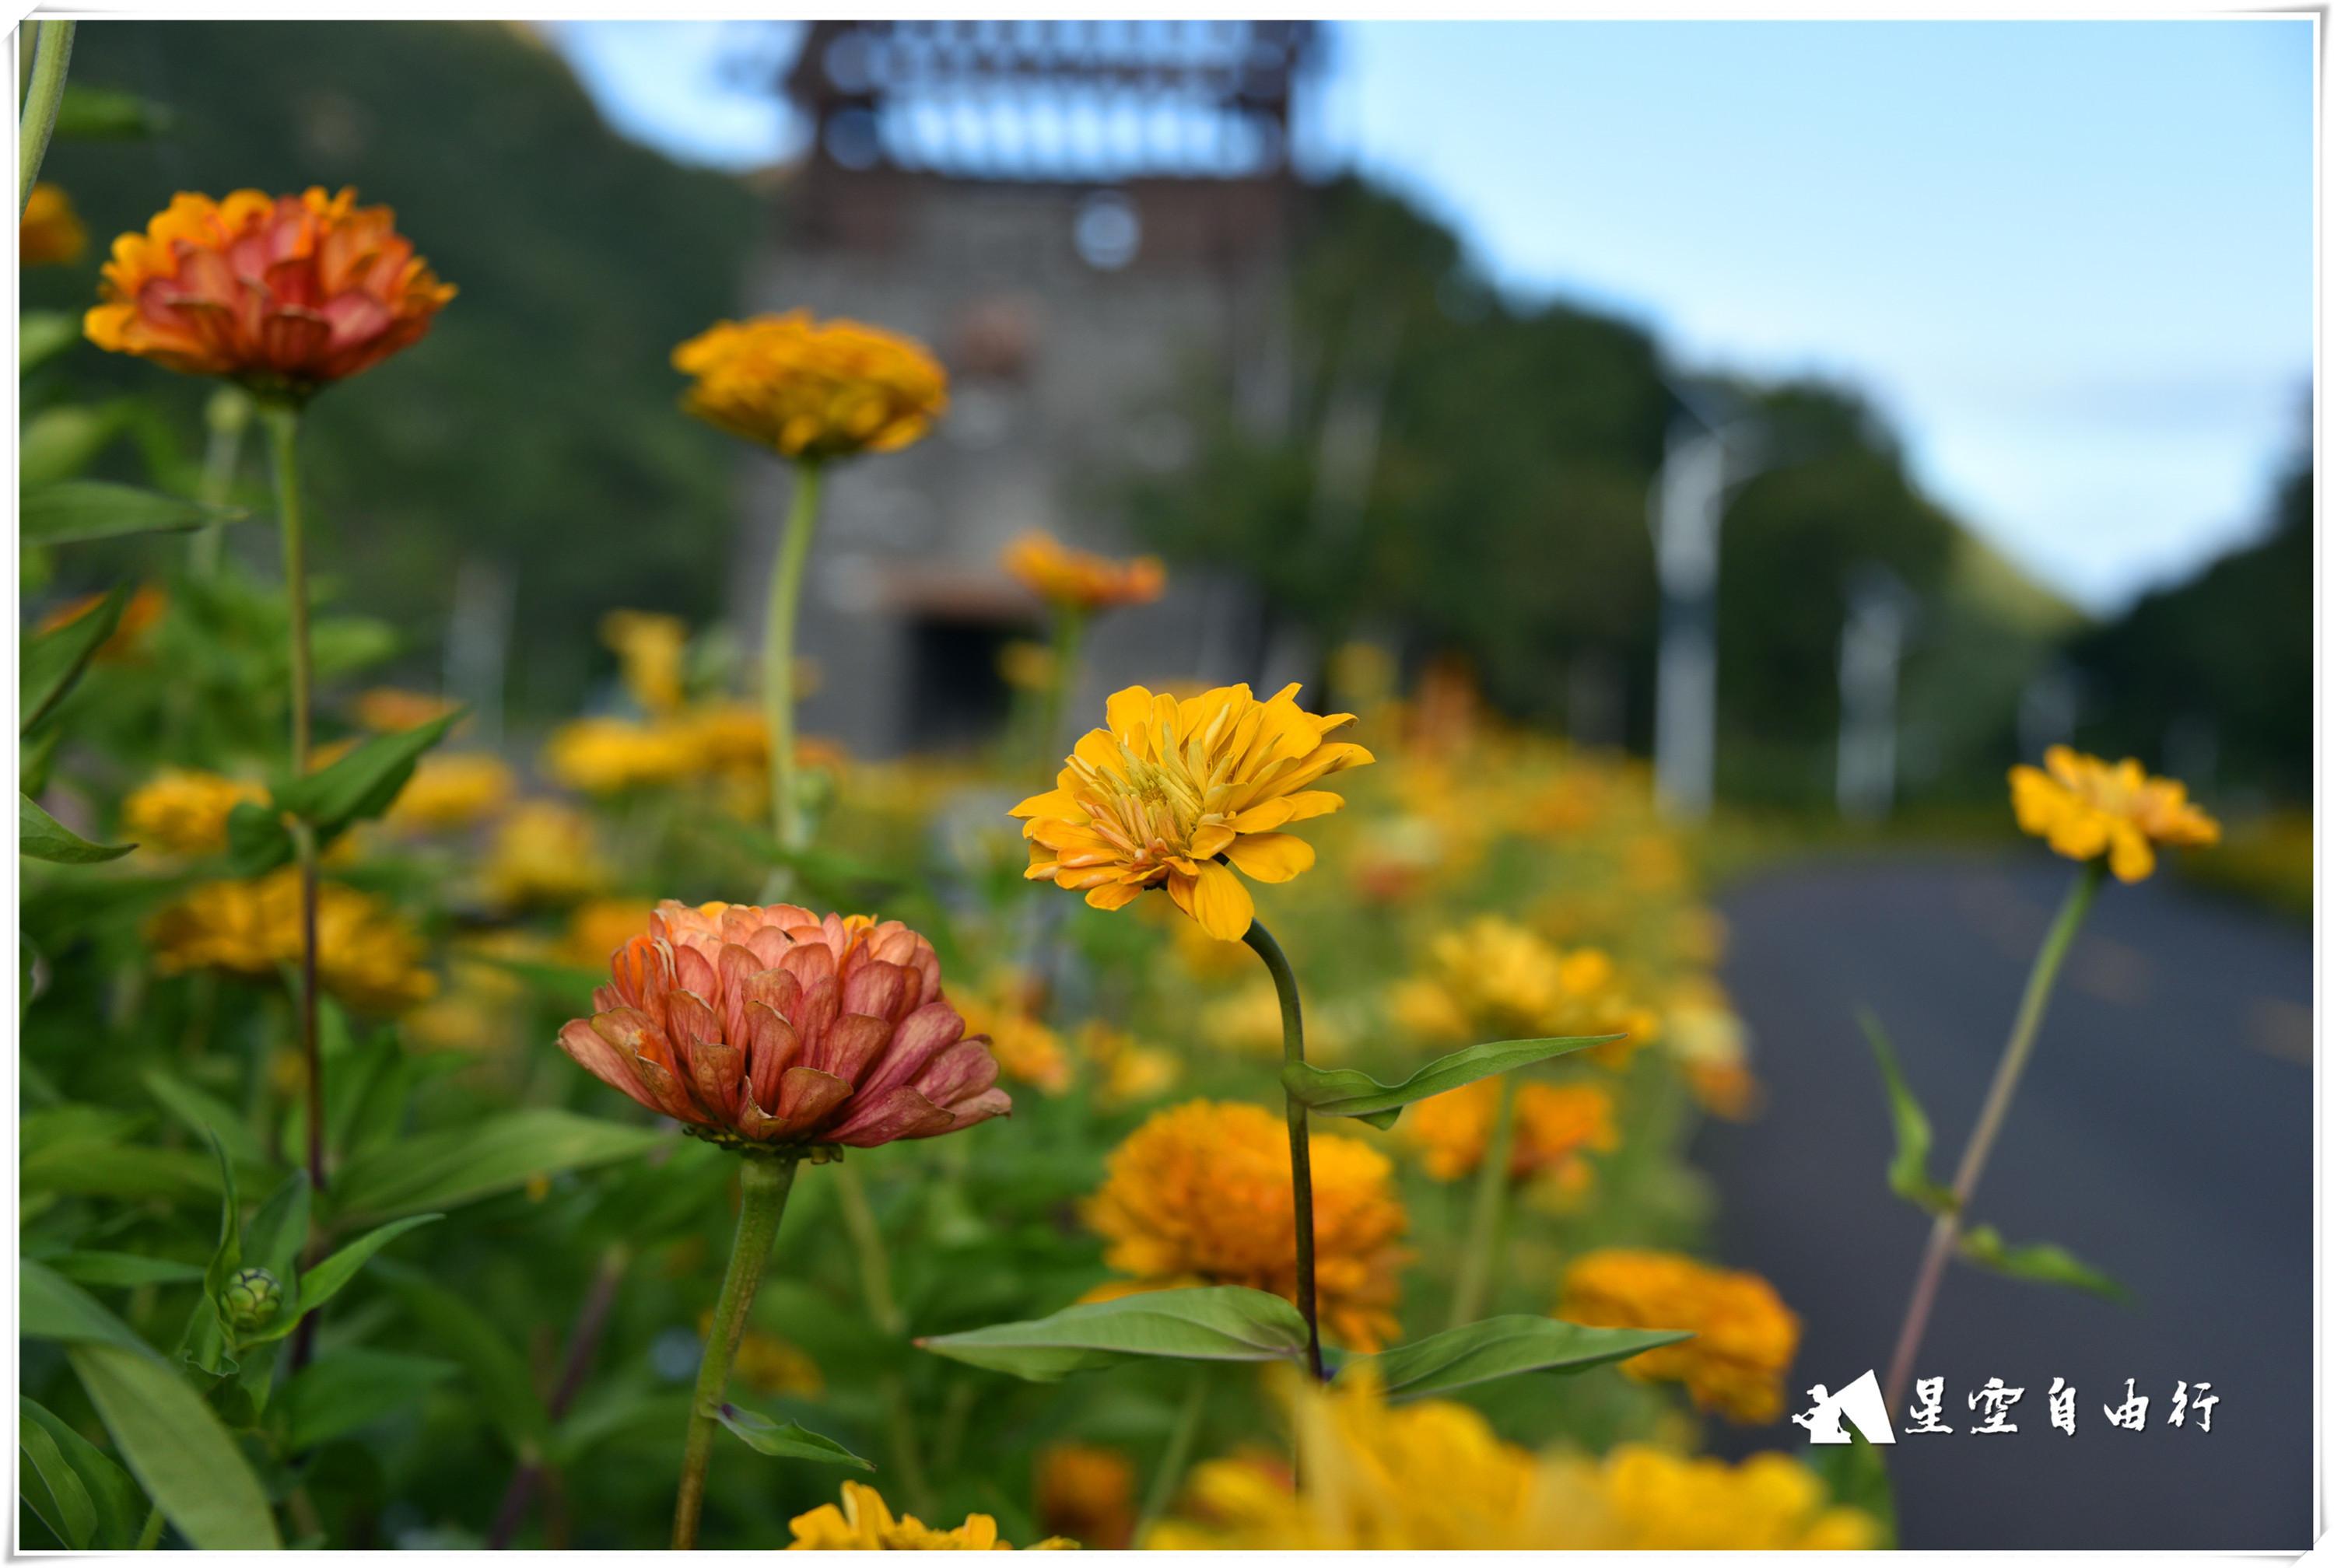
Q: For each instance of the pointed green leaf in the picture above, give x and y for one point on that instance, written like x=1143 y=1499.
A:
x=1347 y=1092
x=2040 y=1262
x=176 y=1447
x=1908 y=1172
x=257 y=841
x=784 y=1440
x=42 y=336
x=53 y=660
x=363 y=783
x=207 y=1117
x=124 y=1268
x=1209 y=1324
x=86 y=113
x=352 y=1388
x=323 y=1282
x=42 y=837
x=51 y=1489
x=1504 y=1347
x=459 y=1165
x=34 y=760
x=121 y=1507
x=49 y=1307
x=75 y=510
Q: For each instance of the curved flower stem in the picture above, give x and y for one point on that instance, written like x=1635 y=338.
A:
x=1176 y=1458
x=284 y=440
x=765 y=1183
x=779 y=655
x=1946 y=1231
x=52 y=44
x=1488 y=1219
x=1300 y=1143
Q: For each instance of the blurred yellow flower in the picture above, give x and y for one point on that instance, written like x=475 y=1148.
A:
x=596 y=928
x=1026 y=1049
x=1555 y=1125
x=367 y=955
x=1200 y=1194
x=2085 y=808
x=1125 y=1072
x=544 y=852
x=769 y=1365
x=610 y=756
x=1170 y=786
x=1085 y=1494
x=812 y=390
x=184 y=810
x=1744 y=1336
x=49 y=234
x=139 y=611
x=1079 y=580
x=389 y=709
x=481 y=1008
x=1434 y=1476
x=1712 y=1048
x=864 y=1523
x=1492 y=979
x=452 y=790
x=649 y=650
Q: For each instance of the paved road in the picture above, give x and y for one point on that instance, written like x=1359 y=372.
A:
x=2163 y=1133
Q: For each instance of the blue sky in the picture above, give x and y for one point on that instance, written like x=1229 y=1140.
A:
x=2070 y=262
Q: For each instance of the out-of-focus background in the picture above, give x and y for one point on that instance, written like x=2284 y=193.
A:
x=1831 y=415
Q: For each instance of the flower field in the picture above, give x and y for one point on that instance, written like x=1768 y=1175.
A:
x=1219 y=1117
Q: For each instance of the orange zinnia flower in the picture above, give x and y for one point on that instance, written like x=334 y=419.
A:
x=2087 y=808
x=1080 y=580
x=812 y=390
x=775 y=1028
x=49 y=233
x=283 y=293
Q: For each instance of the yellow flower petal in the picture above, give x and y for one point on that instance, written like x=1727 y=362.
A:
x=1270 y=857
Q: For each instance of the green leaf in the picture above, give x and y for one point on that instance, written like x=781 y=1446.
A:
x=42 y=336
x=1346 y=1092
x=207 y=1117
x=352 y=1389
x=323 y=1282
x=363 y=783
x=120 y=1507
x=257 y=841
x=48 y=1307
x=459 y=1165
x=87 y=113
x=1208 y=1323
x=51 y=1488
x=35 y=759
x=494 y=1373
x=58 y=443
x=176 y=1447
x=83 y=509
x=786 y=1439
x=2041 y=1262
x=53 y=660
x=1505 y=1347
x=279 y=1229
x=42 y=837
x=125 y=1268
x=1908 y=1173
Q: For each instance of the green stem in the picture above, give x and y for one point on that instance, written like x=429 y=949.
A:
x=1300 y=1143
x=1069 y=638
x=52 y=44
x=2023 y=1031
x=227 y=415
x=883 y=1311
x=1489 y=1214
x=778 y=656
x=284 y=440
x=765 y=1183
x=1176 y=1458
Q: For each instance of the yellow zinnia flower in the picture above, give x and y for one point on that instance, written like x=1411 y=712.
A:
x=49 y=233
x=864 y=1523
x=1124 y=1071
x=650 y=649
x=1169 y=786
x=1200 y=1194
x=1744 y=1336
x=1493 y=978
x=366 y=953
x=1079 y=580
x=1086 y=1493
x=1434 y=1476
x=544 y=852
x=1554 y=1125
x=812 y=390
x=184 y=810
x=1027 y=1050
x=452 y=791
x=2085 y=808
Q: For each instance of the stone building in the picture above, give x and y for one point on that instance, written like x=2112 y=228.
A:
x=1090 y=223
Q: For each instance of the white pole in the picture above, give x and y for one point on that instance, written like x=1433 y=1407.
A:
x=1688 y=496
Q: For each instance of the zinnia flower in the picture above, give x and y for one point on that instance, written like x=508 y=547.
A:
x=775 y=1028
x=1085 y=1494
x=1744 y=1336
x=1080 y=581
x=864 y=1523
x=1170 y=786
x=184 y=810
x=1027 y=1050
x=1556 y=1124
x=649 y=648
x=366 y=954
x=544 y=852
x=49 y=233
x=1200 y=1195
x=1434 y=1476
x=812 y=390
x=283 y=293
x=1493 y=977
x=452 y=790
x=2085 y=808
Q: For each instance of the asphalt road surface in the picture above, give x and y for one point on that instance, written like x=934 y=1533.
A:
x=2162 y=1133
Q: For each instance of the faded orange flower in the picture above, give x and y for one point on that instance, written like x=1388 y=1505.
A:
x=286 y=295
x=49 y=233
x=1744 y=1336
x=775 y=1028
x=812 y=390
x=1086 y=1493
x=139 y=611
x=1079 y=580
x=2086 y=808
x=1172 y=789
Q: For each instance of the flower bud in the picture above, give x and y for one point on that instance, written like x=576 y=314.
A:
x=251 y=1298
